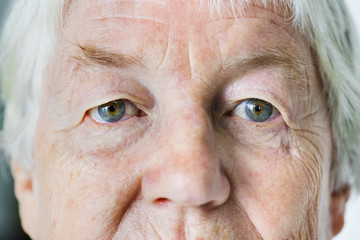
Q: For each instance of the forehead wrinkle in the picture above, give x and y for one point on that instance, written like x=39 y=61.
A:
x=238 y=8
x=116 y=9
x=217 y=8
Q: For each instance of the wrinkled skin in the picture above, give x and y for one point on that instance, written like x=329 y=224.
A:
x=186 y=166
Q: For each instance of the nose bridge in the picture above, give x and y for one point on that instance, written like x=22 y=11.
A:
x=191 y=144
x=188 y=132
x=187 y=168
x=192 y=124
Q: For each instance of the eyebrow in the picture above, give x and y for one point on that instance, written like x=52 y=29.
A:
x=266 y=57
x=93 y=55
x=297 y=67
x=297 y=64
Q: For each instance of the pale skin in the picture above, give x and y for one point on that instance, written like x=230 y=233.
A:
x=182 y=163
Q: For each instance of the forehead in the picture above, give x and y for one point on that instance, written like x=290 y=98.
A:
x=164 y=10
x=112 y=23
x=104 y=19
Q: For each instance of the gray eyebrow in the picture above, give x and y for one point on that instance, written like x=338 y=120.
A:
x=263 y=57
x=297 y=66
x=93 y=55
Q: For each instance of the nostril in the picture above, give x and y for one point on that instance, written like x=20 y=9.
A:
x=162 y=201
x=209 y=205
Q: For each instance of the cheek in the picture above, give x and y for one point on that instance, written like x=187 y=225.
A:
x=278 y=188
x=94 y=189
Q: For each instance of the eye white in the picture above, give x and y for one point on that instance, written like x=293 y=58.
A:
x=240 y=110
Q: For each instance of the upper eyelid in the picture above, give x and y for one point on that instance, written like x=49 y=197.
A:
x=126 y=102
x=109 y=98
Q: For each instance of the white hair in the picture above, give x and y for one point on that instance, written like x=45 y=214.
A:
x=33 y=27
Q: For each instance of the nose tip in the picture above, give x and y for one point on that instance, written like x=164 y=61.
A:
x=206 y=186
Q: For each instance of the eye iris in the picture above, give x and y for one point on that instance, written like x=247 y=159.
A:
x=258 y=110
x=112 y=111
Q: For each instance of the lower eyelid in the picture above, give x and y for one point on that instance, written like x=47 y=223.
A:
x=97 y=119
x=272 y=120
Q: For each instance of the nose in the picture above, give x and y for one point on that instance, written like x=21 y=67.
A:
x=187 y=168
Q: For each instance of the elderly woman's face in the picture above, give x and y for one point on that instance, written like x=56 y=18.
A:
x=159 y=121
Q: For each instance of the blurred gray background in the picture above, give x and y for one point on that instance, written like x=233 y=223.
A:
x=9 y=220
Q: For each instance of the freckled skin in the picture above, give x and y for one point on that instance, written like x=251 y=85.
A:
x=181 y=171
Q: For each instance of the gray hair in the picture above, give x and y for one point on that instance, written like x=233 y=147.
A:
x=33 y=28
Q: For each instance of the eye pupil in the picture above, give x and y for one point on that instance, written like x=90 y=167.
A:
x=112 y=111
x=258 y=108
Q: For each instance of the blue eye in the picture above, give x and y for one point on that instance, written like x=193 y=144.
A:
x=114 y=111
x=255 y=110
